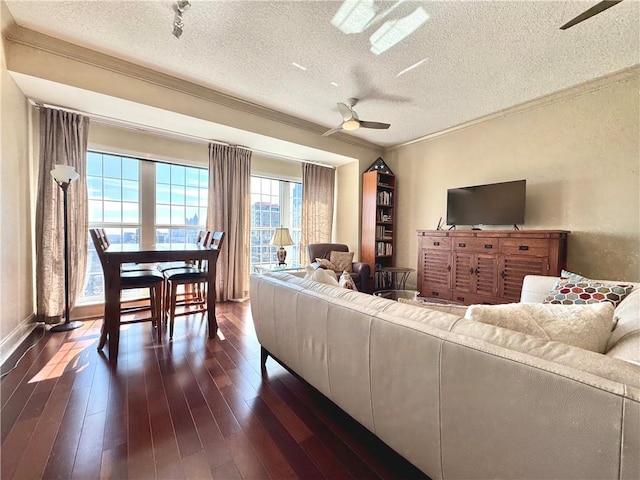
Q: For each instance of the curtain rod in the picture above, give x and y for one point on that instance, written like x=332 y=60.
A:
x=167 y=133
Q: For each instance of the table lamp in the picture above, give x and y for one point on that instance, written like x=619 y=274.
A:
x=281 y=237
x=63 y=176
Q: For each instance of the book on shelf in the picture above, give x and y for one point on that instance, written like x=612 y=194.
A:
x=385 y=198
x=384 y=249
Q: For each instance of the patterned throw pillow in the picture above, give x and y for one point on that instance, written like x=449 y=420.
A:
x=347 y=282
x=567 y=292
x=342 y=260
x=573 y=277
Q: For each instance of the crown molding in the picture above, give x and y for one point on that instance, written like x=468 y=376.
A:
x=39 y=41
x=559 y=96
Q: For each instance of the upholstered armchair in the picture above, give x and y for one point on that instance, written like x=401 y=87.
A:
x=360 y=272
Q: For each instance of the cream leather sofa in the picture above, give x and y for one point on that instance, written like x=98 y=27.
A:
x=457 y=398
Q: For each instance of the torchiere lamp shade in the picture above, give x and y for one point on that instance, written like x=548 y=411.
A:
x=282 y=238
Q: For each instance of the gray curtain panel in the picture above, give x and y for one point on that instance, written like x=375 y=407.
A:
x=318 y=185
x=229 y=211
x=63 y=140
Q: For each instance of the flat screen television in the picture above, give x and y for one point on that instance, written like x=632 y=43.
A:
x=493 y=204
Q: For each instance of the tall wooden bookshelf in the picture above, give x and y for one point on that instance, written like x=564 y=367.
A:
x=378 y=223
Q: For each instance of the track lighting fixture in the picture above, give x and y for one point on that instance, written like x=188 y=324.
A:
x=178 y=25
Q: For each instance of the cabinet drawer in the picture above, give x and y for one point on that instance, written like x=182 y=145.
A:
x=536 y=247
x=436 y=292
x=435 y=243
x=478 y=245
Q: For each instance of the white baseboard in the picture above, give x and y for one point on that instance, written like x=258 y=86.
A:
x=9 y=344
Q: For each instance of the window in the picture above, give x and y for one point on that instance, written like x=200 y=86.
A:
x=121 y=189
x=181 y=202
x=274 y=203
x=113 y=190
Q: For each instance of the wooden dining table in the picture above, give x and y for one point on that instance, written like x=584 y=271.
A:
x=118 y=254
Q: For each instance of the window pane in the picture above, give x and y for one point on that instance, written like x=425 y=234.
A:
x=163 y=215
x=94 y=187
x=177 y=174
x=130 y=191
x=163 y=173
x=177 y=194
x=192 y=236
x=95 y=211
x=130 y=212
x=162 y=235
x=112 y=189
x=112 y=166
x=191 y=196
x=204 y=178
x=191 y=216
x=192 y=177
x=130 y=168
x=113 y=212
x=163 y=193
x=94 y=164
x=177 y=215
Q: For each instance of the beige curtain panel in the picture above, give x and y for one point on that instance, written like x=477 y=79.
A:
x=229 y=210
x=63 y=140
x=318 y=185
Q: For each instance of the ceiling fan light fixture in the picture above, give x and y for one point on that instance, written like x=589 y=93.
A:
x=351 y=124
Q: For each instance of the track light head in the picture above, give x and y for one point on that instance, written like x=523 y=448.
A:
x=178 y=25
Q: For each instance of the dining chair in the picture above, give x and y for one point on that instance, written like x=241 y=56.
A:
x=194 y=275
x=138 y=278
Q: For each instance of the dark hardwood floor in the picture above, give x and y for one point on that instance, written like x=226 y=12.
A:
x=187 y=408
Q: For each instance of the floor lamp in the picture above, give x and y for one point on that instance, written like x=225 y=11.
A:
x=64 y=175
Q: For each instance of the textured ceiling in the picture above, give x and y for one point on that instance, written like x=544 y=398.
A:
x=480 y=57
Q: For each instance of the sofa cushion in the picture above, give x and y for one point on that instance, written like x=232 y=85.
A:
x=342 y=260
x=567 y=292
x=326 y=264
x=584 y=326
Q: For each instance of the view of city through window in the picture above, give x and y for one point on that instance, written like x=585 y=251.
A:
x=274 y=203
x=119 y=187
x=115 y=186
x=181 y=202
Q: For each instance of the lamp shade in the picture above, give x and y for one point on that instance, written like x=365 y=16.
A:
x=64 y=173
x=281 y=237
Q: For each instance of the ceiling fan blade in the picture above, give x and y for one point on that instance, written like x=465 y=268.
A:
x=596 y=9
x=377 y=125
x=332 y=131
x=345 y=111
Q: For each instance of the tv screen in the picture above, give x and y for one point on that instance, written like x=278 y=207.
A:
x=493 y=204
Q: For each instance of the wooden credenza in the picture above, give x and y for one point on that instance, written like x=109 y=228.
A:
x=486 y=266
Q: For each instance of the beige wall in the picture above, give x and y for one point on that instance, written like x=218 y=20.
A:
x=16 y=287
x=347 y=219
x=579 y=152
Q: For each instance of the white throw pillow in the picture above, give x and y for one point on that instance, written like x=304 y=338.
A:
x=585 y=326
x=320 y=275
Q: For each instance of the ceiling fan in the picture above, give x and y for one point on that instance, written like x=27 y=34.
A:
x=351 y=121
x=596 y=9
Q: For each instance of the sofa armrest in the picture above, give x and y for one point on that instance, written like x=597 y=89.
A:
x=364 y=270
